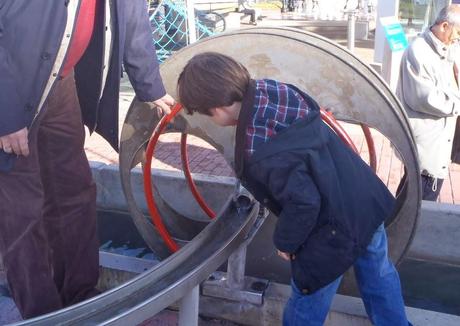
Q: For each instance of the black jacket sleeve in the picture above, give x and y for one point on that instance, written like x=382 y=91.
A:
x=11 y=111
x=291 y=186
x=140 y=59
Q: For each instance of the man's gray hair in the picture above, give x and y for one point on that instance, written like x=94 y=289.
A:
x=449 y=14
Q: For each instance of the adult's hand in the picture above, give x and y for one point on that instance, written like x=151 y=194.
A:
x=163 y=105
x=16 y=142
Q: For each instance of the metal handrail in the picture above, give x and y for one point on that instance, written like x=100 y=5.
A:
x=164 y=284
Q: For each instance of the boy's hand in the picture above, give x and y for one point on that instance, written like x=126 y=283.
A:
x=286 y=256
x=163 y=105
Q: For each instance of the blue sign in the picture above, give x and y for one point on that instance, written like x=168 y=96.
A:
x=394 y=34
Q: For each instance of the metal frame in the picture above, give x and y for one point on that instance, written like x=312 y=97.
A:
x=149 y=293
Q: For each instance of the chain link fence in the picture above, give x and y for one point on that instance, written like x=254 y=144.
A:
x=169 y=24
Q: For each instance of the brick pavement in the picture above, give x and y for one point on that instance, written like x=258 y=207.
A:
x=205 y=159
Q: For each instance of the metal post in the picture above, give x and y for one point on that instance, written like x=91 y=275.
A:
x=191 y=30
x=387 y=8
x=236 y=267
x=189 y=304
x=351 y=31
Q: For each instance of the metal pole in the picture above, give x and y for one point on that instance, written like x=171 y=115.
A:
x=387 y=8
x=236 y=267
x=189 y=304
x=191 y=30
x=351 y=31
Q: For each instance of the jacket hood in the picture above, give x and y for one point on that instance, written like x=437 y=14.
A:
x=307 y=131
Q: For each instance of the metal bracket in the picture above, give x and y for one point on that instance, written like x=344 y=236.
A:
x=251 y=291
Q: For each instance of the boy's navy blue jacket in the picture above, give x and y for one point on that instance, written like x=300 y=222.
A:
x=30 y=36
x=328 y=201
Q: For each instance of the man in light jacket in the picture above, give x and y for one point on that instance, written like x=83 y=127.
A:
x=429 y=90
x=60 y=68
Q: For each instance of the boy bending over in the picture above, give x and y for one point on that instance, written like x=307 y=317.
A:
x=330 y=204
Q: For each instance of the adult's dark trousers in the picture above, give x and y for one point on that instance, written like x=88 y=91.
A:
x=431 y=187
x=48 y=237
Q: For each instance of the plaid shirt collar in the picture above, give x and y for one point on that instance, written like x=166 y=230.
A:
x=276 y=107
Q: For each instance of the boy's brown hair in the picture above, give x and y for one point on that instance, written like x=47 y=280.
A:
x=210 y=80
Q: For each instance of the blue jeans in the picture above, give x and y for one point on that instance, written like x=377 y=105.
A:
x=378 y=283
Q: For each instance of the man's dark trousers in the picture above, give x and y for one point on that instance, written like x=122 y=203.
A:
x=48 y=237
x=430 y=191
